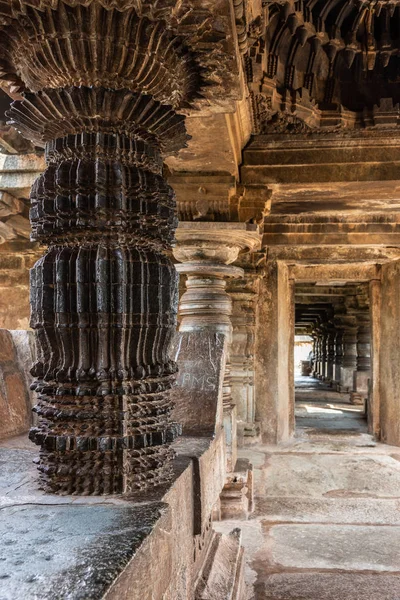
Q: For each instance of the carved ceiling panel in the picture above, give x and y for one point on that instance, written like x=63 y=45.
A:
x=325 y=63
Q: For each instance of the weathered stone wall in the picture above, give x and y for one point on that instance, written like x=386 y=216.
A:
x=15 y=399
x=14 y=288
x=389 y=354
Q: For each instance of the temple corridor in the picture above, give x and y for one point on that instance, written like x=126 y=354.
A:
x=199 y=300
x=326 y=522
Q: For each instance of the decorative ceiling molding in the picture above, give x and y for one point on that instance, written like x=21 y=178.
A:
x=332 y=64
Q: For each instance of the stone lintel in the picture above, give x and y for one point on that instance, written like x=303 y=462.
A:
x=358 y=272
x=289 y=160
x=315 y=255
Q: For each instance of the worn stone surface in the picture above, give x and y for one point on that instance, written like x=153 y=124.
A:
x=15 y=405
x=327 y=586
x=274 y=354
x=112 y=546
x=347 y=547
x=326 y=523
x=389 y=374
x=198 y=394
x=226 y=563
x=75 y=553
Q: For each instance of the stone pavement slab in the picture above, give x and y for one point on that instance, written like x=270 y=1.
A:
x=327 y=586
x=376 y=511
x=345 y=547
x=307 y=475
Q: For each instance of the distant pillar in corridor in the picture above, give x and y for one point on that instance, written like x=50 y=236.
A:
x=349 y=361
x=362 y=375
x=330 y=352
x=338 y=355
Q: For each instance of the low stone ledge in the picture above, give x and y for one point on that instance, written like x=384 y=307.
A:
x=112 y=547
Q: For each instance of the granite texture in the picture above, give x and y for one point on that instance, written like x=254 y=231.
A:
x=69 y=552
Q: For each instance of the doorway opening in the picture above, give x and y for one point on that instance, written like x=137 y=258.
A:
x=332 y=357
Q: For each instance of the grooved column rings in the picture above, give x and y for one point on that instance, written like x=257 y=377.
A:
x=52 y=114
x=103 y=314
x=87 y=199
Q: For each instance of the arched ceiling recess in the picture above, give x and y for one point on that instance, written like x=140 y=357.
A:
x=326 y=63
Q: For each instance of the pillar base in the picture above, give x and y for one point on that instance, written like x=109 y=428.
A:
x=248 y=434
x=346 y=379
x=361 y=382
x=357 y=399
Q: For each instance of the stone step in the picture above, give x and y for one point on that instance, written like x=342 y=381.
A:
x=222 y=575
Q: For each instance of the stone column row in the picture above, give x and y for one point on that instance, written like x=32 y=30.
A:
x=342 y=352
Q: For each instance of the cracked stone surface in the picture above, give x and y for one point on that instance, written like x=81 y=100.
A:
x=326 y=524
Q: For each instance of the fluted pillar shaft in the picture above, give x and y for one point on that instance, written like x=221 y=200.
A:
x=338 y=356
x=330 y=353
x=349 y=361
x=105 y=88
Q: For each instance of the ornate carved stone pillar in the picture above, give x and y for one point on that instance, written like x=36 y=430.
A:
x=244 y=295
x=349 y=362
x=105 y=85
x=316 y=353
x=338 y=356
x=330 y=352
x=322 y=351
x=207 y=251
x=362 y=374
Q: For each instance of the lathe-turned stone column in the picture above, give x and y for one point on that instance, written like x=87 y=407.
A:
x=207 y=251
x=330 y=353
x=316 y=353
x=106 y=86
x=244 y=295
x=322 y=339
x=349 y=362
x=338 y=355
x=362 y=375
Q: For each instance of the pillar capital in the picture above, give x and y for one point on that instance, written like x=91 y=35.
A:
x=220 y=243
x=207 y=251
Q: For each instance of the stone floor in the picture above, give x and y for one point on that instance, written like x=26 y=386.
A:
x=326 y=524
x=318 y=407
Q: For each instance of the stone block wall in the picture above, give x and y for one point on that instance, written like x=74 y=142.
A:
x=14 y=288
x=15 y=400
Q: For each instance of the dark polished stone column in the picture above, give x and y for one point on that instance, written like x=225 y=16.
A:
x=103 y=296
x=105 y=86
